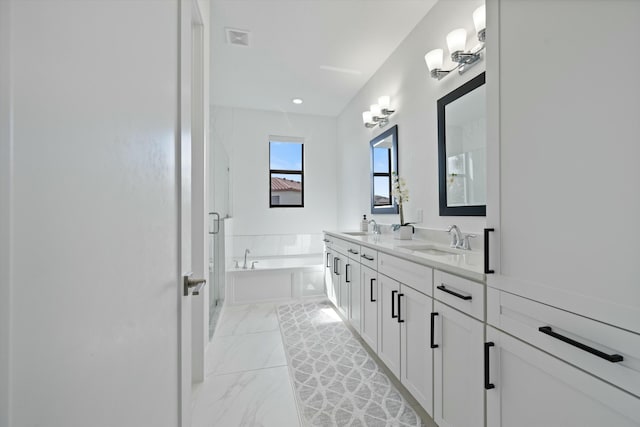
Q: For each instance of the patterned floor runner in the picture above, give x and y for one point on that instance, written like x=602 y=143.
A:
x=336 y=382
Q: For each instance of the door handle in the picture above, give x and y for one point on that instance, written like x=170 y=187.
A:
x=195 y=284
x=433 y=319
x=400 y=315
x=216 y=222
x=487 y=382
x=487 y=270
x=393 y=306
x=371 y=294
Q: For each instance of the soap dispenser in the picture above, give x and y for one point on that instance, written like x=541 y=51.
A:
x=364 y=225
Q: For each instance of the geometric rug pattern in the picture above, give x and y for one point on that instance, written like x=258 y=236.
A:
x=336 y=382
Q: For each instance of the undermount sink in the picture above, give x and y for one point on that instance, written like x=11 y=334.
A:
x=355 y=233
x=430 y=250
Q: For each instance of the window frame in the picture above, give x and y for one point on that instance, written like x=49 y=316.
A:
x=287 y=140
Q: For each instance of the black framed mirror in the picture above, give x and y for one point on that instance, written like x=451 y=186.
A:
x=384 y=162
x=462 y=150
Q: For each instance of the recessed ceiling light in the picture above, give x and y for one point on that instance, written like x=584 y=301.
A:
x=297 y=101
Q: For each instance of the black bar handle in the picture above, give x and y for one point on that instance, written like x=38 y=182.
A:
x=346 y=273
x=328 y=263
x=351 y=251
x=371 y=295
x=455 y=294
x=337 y=268
x=487 y=270
x=326 y=240
x=399 y=315
x=393 y=306
x=487 y=384
x=433 y=323
x=367 y=257
x=613 y=358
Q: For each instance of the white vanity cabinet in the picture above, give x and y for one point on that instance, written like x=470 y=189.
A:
x=388 y=326
x=416 y=355
x=529 y=388
x=457 y=370
x=566 y=231
x=369 y=312
x=457 y=339
x=352 y=280
x=330 y=289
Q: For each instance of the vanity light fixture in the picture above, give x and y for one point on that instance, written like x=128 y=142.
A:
x=457 y=43
x=378 y=114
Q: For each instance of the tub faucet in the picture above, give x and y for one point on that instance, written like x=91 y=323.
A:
x=376 y=227
x=456 y=236
x=246 y=251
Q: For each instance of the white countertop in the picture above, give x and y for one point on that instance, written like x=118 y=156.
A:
x=468 y=264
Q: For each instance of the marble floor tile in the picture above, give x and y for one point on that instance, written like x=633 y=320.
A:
x=246 y=319
x=237 y=353
x=261 y=397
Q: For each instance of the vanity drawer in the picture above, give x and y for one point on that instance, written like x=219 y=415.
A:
x=369 y=257
x=462 y=294
x=570 y=337
x=419 y=277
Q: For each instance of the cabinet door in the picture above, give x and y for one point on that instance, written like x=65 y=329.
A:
x=328 y=277
x=566 y=225
x=533 y=389
x=352 y=280
x=340 y=285
x=369 y=285
x=414 y=311
x=335 y=280
x=388 y=326
x=458 y=369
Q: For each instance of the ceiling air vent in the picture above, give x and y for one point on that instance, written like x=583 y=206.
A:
x=237 y=37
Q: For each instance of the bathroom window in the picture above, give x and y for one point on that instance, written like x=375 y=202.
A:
x=286 y=172
x=382 y=175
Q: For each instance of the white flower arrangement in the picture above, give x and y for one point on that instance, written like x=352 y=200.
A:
x=400 y=194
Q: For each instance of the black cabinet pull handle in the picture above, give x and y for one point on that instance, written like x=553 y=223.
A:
x=371 y=294
x=393 y=306
x=455 y=294
x=400 y=320
x=351 y=251
x=367 y=257
x=433 y=323
x=487 y=384
x=337 y=266
x=347 y=269
x=487 y=270
x=613 y=358
x=326 y=240
x=328 y=263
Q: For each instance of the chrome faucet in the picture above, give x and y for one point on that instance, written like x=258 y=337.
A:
x=456 y=236
x=376 y=227
x=246 y=251
x=459 y=240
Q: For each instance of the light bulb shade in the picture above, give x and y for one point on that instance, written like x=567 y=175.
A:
x=434 y=59
x=457 y=40
x=376 y=110
x=384 y=102
x=367 y=117
x=480 y=18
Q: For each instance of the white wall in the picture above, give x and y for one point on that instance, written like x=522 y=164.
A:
x=94 y=249
x=5 y=220
x=245 y=134
x=405 y=77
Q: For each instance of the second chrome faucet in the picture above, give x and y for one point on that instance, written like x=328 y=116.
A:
x=459 y=240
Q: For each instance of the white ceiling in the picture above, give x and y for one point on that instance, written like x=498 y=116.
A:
x=322 y=51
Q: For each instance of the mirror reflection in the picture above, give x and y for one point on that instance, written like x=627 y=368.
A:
x=462 y=150
x=384 y=161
